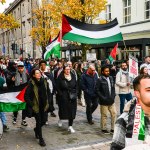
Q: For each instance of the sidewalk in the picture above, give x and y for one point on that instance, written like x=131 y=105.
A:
x=87 y=137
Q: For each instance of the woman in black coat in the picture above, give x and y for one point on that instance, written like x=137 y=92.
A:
x=67 y=93
x=37 y=97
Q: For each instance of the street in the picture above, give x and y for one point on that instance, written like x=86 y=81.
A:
x=86 y=137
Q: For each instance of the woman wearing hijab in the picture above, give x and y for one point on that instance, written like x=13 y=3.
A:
x=67 y=93
x=38 y=102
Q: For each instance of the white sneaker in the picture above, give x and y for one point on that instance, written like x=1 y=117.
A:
x=60 y=123
x=46 y=123
x=70 y=129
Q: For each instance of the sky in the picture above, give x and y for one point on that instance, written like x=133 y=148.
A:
x=5 y=5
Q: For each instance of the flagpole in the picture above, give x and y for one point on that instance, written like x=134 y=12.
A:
x=125 y=47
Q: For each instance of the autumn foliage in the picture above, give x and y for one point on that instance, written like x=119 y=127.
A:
x=2 y=1
x=47 y=18
x=8 y=22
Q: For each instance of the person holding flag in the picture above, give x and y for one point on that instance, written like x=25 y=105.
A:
x=132 y=128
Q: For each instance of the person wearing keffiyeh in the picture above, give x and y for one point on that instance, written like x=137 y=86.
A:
x=132 y=128
x=123 y=85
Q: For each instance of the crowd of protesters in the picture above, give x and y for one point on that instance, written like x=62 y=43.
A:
x=88 y=84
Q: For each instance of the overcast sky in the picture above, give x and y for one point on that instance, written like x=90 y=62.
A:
x=2 y=7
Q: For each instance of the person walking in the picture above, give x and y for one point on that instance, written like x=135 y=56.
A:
x=88 y=82
x=123 y=85
x=105 y=89
x=132 y=128
x=79 y=72
x=21 y=77
x=49 y=77
x=38 y=102
x=2 y=114
x=67 y=97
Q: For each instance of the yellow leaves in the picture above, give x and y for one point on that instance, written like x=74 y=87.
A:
x=102 y=21
x=8 y=22
x=48 y=17
x=2 y=1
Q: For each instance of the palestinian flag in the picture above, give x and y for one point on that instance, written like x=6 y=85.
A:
x=13 y=99
x=113 y=54
x=77 y=31
x=53 y=48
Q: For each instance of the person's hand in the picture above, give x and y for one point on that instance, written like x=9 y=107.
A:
x=128 y=84
x=13 y=78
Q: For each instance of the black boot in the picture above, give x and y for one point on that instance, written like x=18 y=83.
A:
x=42 y=142
x=36 y=134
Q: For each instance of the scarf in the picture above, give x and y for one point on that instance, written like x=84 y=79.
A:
x=20 y=78
x=68 y=77
x=126 y=73
x=50 y=84
x=135 y=132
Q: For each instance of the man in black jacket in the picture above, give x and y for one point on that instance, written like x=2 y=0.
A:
x=88 y=82
x=105 y=89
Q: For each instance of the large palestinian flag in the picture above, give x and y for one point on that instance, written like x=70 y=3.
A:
x=77 y=31
x=13 y=99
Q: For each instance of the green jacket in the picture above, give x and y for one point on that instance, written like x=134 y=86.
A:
x=32 y=98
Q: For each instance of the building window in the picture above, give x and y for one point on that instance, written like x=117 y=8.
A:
x=23 y=10
x=108 y=12
x=29 y=6
x=127 y=11
x=147 y=9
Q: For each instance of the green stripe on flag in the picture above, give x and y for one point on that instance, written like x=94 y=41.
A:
x=87 y=40
x=55 y=49
x=110 y=59
x=142 y=127
x=12 y=107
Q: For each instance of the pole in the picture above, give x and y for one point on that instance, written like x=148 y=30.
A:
x=21 y=32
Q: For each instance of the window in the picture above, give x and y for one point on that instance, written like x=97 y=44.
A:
x=147 y=9
x=23 y=29
x=108 y=12
x=127 y=11
x=23 y=10
x=29 y=6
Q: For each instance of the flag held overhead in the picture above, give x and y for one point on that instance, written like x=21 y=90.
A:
x=77 y=31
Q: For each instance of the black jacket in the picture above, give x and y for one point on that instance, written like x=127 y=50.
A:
x=102 y=90
x=67 y=108
x=88 y=85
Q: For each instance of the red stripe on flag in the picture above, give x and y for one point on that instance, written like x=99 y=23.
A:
x=65 y=26
x=114 y=52
x=20 y=96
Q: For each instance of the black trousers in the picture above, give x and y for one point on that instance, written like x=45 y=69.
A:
x=91 y=105
x=70 y=122
x=23 y=114
x=40 y=119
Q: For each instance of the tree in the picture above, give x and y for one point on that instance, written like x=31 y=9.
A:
x=8 y=21
x=47 y=19
x=2 y=1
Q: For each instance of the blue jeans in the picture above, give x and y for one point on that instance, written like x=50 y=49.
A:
x=3 y=118
x=124 y=97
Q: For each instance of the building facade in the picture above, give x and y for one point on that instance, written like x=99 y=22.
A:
x=20 y=37
x=134 y=20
